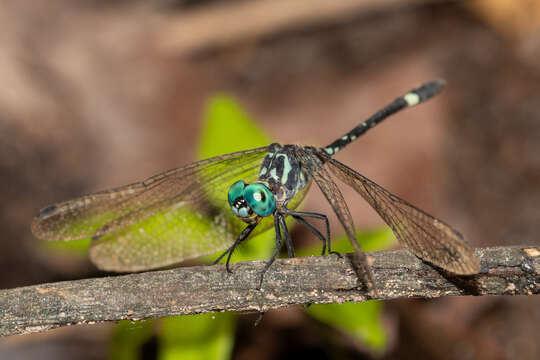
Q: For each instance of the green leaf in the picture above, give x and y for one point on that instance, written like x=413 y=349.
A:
x=359 y=320
x=376 y=240
x=128 y=339
x=228 y=128
x=76 y=248
x=373 y=240
x=195 y=337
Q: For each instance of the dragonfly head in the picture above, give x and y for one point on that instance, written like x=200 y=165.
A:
x=249 y=201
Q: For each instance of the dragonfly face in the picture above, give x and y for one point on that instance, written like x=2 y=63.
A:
x=251 y=202
x=280 y=179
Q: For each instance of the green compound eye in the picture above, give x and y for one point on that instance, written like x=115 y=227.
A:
x=235 y=191
x=260 y=199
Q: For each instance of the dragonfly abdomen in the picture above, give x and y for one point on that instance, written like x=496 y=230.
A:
x=412 y=98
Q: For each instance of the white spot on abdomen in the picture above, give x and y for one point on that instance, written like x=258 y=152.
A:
x=411 y=99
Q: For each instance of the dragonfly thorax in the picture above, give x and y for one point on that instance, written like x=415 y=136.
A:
x=251 y=201
x=282 y=173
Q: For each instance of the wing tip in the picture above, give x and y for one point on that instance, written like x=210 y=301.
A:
x=37 y=223
x=43 y=226
x=471 y=267
x=465 y=265
x=46 y=212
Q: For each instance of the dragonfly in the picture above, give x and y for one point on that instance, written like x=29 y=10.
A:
x=216 y=204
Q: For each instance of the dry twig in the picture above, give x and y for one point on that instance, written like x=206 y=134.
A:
x=200 y=289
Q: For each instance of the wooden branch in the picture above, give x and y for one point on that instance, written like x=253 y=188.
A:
x=200 y=289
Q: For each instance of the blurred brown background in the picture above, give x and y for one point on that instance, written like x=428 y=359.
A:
x=96 y=94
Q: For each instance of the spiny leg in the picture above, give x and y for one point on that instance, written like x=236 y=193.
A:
x=297 y=215
x=314 y=230
x=278 y=247
x=288 y=242
x=243 y=236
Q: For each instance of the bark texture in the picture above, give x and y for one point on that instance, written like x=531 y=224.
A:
x=199 y=289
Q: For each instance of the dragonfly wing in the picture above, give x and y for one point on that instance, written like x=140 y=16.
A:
x=315 y=167
x=427 y=237
x=178 y=233
x=83 y=217
x=180 y=214
x=191 y=224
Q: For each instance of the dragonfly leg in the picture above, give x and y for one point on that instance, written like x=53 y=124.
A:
x=243 y=236
x=314 y=230
x=298 y=216
x=278 y=247
x=288 y=242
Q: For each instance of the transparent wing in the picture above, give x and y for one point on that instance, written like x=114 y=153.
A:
x=427 y=237
x=173 y=216
x=313 y=165
x=315 y=168
x=82 y=217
